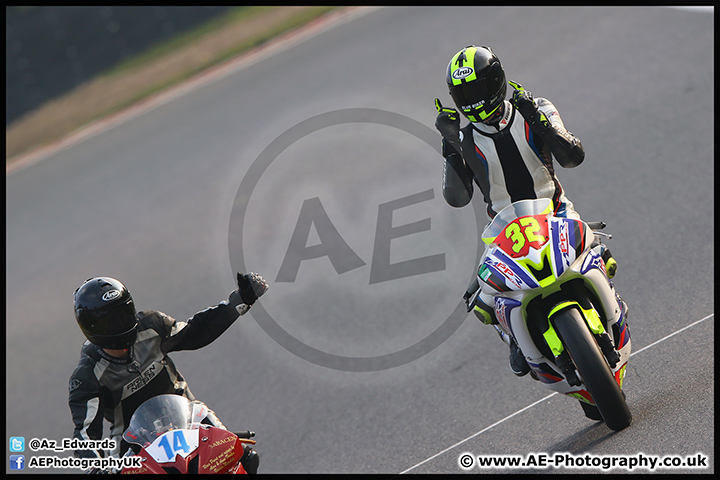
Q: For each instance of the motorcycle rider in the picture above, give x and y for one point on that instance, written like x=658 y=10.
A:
x=506 y=150
x=124 y=361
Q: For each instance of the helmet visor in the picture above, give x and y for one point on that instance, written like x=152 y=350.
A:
x=481 y=96
x=115 y=327
x=115 y=320
x=116 y=342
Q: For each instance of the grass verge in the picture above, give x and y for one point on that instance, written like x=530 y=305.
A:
x=160 y=67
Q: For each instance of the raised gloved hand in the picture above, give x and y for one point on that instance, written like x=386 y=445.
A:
x=251 y=286
x=524 y=103
x=448 y=124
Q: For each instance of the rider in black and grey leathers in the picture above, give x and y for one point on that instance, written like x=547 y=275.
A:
x=125 y=362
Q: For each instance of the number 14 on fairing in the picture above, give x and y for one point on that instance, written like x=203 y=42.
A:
x=172 y=443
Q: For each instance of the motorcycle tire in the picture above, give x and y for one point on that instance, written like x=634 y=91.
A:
x=591 y=411
x=593 y=368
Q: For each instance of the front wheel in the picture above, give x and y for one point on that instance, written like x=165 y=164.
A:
x=594 y=370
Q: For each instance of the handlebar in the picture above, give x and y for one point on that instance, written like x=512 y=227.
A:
x=245 y=434
x=596 y=225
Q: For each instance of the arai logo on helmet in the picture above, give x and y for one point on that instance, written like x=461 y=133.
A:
x=462 y=72
x=111 y=295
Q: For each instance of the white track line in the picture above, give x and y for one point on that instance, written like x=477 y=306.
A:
x=542 y=400
x=478 y=433
x=673 y=334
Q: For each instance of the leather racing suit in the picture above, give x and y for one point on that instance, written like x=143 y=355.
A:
x=103 y=386
x=509 y=161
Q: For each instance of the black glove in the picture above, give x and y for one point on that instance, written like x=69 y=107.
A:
x=524 y=103
x=250 y=460
x=251 y=286
x=448 y=124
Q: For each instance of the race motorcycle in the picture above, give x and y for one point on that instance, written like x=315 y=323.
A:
x=552 y=295
x=165 y=431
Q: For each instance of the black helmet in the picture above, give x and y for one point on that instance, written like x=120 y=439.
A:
x=477 y=82
x=105 y=312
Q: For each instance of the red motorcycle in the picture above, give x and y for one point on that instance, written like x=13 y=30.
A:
x=167 y=434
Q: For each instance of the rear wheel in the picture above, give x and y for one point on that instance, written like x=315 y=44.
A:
x=594 y=370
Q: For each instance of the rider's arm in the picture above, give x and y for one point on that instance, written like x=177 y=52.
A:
x=199 y=330
x=565 y=147
x=457 y=178
x=207 y=325
x=86 y=406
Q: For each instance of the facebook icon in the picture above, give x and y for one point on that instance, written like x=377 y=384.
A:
x=17 y=462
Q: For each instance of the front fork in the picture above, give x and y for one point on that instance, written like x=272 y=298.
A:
x=562 y=358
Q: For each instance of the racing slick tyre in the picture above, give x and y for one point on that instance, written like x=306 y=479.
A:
x=596 y=375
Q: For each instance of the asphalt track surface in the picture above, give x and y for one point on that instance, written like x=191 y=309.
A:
x=357 y=359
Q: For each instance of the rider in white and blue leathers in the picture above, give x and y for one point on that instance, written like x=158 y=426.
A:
x=507 y=150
